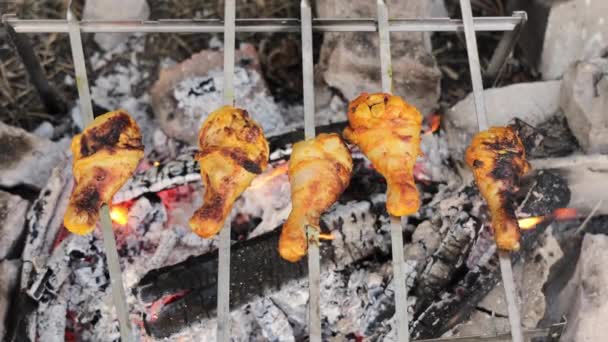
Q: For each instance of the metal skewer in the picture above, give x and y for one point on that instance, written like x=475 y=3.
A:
x=268 y=25
x=403 y=334
x=312 y=235
x=482 y=121
x=223 y=278
x=109 y=241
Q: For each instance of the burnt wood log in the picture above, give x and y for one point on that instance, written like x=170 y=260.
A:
x=255 y=269
x=481 y=272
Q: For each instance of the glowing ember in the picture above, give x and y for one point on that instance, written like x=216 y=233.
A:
x=269 y=175
x=119 y=214
x=326 y=236
x=565 y=214
x=156 y=163
x=434 y=120
x=559 y=214
x=530 y=222
x=157 y=306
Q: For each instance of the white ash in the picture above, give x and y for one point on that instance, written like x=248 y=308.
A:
x=52 y=319
x=198 y=96
x=346 y=231
x=293 y=114
x=436 y=153
x=272 y=321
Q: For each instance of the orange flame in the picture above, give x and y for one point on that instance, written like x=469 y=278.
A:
x=269 y=175
x=530 y=222
x=434 y=122
x=119 y=214
x=323 y=236
x=559 y=214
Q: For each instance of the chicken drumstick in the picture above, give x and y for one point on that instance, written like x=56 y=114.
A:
x=233 y=151
x=387 y=130
x=105 y=154
x=498 y=160
x=319 y=171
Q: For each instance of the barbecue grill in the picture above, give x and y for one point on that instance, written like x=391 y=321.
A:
x=511 y=26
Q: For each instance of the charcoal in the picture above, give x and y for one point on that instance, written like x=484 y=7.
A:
x=551 y=138
x=255 y=268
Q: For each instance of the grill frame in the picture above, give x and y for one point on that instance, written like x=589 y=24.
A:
x=510 y=25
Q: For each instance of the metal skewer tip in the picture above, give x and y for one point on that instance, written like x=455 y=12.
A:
x=506 y=270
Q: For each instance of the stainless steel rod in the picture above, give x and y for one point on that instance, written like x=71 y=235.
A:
x=474 y=65
x=109 y=241
x=482 y=122
x=403 y=334
x=259 y=25
x=223 y=277
x=314 y=262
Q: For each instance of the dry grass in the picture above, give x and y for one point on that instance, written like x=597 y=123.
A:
x=19 y=103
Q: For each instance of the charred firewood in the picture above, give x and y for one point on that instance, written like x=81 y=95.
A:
x=481 y=272
x=551 y=138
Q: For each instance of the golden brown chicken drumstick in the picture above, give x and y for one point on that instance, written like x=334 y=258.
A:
x=233 y=151
x=498 y=160
x=319 y=171
x=387 y=130
x=105 y=154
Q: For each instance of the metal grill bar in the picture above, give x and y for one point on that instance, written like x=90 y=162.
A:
x=109 y=241
x=262 y=25
x=482 y=121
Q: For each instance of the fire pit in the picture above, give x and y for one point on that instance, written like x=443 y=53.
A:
x=172 y=275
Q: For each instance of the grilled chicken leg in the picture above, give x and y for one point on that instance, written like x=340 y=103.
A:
x=498 y=160
x=105 y=154
x=233 y=151
x=387 y=130
x=319 y=171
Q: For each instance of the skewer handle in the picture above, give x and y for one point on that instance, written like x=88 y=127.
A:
x=402 y=322
x=312 y=235
x=109 y=241
x=223 y=277
x=482 y=122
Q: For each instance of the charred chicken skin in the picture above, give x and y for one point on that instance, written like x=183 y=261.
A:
x=232 y=152
x=498 y=160
x=387 y=130
x=105 y=155
x=319 y=171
